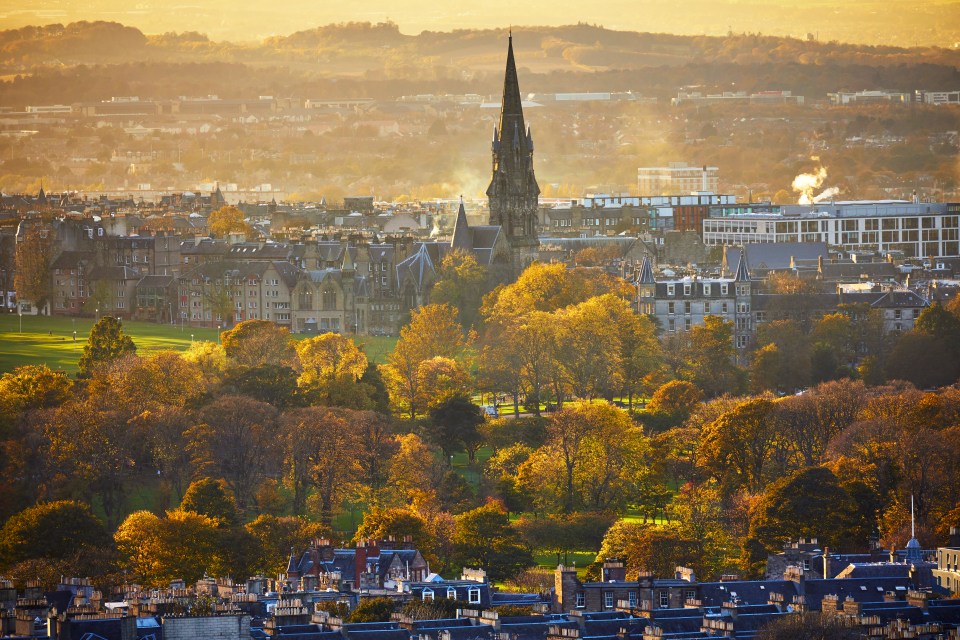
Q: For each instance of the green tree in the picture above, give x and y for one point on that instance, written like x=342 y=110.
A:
x=808 y=503
x=106 y=343
x=485 y=538
x=454 y=425
x=373 y=610
x=708 y=358
x=50 y=530
x=461 y=283
x=211 y=498
x=275 y=384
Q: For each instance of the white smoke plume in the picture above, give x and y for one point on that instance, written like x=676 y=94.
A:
x=806 y=183
x=826 y=194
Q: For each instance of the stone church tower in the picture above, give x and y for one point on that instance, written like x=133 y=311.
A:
x=513 y=191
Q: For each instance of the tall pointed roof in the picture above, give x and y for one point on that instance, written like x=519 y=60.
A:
x=743 y=271
x=646 y=271
x=461 y=231
x=292 y=564
x=511 y=108
x=347 y=264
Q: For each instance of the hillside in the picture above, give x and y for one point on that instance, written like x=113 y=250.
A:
x=95 y=60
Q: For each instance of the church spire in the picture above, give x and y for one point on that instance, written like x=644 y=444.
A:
x=511 y=108
x=513 y=193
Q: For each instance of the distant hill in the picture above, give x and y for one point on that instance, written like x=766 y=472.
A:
x=900 y=22
x=94 y=60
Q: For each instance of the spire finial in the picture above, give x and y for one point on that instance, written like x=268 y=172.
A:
x=913 y=522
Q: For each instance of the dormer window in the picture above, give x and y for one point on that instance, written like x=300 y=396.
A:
x=427 y=595
x=451 y=593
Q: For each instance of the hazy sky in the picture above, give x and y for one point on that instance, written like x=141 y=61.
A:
x=887 y=21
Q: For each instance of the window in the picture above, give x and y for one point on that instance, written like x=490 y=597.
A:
x=706 y=289
x=671 y=309
x=692 y=594
x=686 y=307
x=686 y=289
x=664 y=599
x=724 y=289
x=608 y=599
x=451 y=593
x=706 y=308
x=671 y=325
x=687 y=324
x=473 y=595
x=671 y=290
x=632 y=599
x=427 y=595
x=724 y=307
x=580 y=600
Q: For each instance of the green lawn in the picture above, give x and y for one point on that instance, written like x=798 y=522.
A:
x=50 y=340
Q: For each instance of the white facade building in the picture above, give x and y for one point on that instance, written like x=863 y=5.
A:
x=918 y=230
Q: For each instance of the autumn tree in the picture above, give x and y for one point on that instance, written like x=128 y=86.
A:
x=31 y=387
x=399 y=523
x=106 y=343
x=132 y=384
x=461 y=283
x=211 y=498
x=49 y=530
x=253 y=343
x=741 y=447
x=708 y=358
x=182 y=545
x=786 y=366
x=226 y=220
x=647 y=548
x=594 y=458
x=235 y=440
x=331 y=367
x=675 y=400
x=433 y=331
x=91 y=452
x=33 y=261
x=323 y=444
x=276 y=536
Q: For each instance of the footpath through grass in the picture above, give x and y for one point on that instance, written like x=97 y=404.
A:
x=50 y=340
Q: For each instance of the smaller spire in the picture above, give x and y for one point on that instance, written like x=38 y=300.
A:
x=743 y=271
x=461 y=230
x=347 y=264
x=646 y=271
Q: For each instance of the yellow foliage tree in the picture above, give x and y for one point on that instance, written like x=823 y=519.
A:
x=228 y=219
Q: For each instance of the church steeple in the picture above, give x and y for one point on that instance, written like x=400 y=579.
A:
x=513 y=192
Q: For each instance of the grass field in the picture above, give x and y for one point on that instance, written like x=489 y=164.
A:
x=50 y=340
